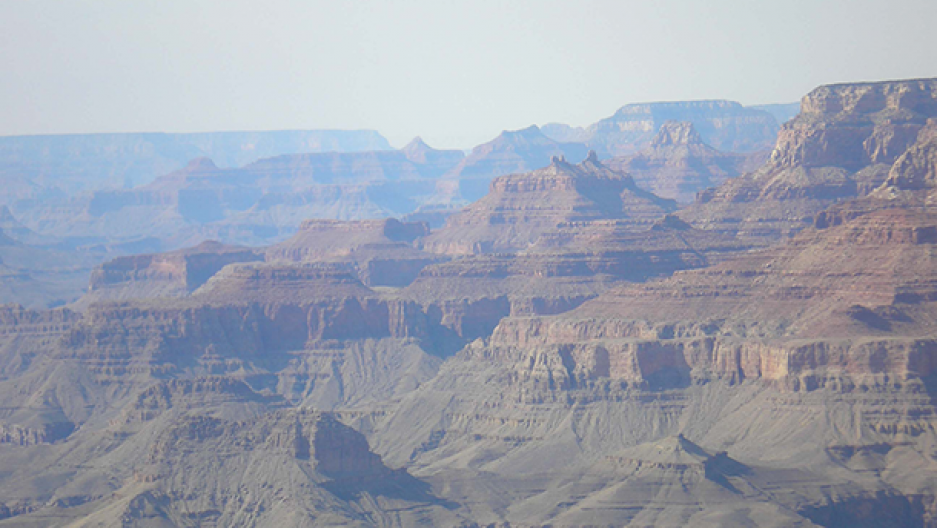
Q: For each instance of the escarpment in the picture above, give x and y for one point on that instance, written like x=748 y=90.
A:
x=841 y=146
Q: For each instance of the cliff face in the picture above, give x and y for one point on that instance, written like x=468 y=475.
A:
x=842 y=145
x=840 y=305
x=856 y=125
x=746 y=355
x=916 y=168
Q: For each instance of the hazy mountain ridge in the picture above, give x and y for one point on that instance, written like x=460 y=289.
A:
x=724 y=125
x=76 y=162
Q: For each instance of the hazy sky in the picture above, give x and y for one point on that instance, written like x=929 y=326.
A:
x=456 y=73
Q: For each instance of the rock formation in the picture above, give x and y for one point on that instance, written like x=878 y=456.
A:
x=745 y=356
x=381 y=251
x=677 y=164
x=211 y=450
x=521 y=207
x=841 y=146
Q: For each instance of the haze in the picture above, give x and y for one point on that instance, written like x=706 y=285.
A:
x=456 y=73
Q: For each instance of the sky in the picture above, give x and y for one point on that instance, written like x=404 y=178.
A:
x=456 y=73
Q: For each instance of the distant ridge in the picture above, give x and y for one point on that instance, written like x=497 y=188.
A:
x=77 y=162
x=724 y=125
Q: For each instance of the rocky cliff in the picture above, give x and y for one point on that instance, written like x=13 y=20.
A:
x=841 y=146
x=590 y=359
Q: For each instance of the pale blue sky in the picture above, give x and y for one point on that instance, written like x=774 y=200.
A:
x=456 y=73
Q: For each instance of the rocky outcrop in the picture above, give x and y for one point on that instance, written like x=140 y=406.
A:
x=916 y=168
x=521 y=207
x=24 y=436
x=856 y=125
x=841 y=146
x=677 y=164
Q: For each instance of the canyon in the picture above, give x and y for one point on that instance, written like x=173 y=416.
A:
x=576 y=346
